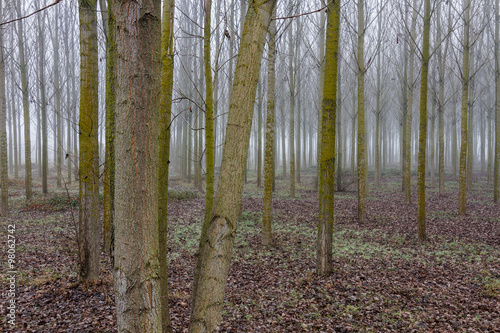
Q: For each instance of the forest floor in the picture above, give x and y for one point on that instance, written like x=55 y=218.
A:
x=383 y=279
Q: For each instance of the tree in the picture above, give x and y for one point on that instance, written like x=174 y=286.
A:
x=216 y=247
x=362 y=163
x=327 y=156
x=462 y=186
x=138 y=66
x=89 y=228
x=292 y=55
x=43 y=101
x=422 y=141
x=109 y=152
x=26 y=111
x=4 y=179
x=409 y=112
x=209 y=114
x=496 y=177
x=267 y=218
x=167 y=74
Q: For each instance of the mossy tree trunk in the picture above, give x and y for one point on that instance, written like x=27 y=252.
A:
x=462 y=186
x=328 y=131
x=209 y=114
x=267 y=217
x=362 y=161
x=422 y=140
x=217 y=249
x=89 y=228
x=137 y=277
x=165 y=116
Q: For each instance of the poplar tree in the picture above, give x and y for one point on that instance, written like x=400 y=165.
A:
x=362 y=163
x=270 y=138
x=26 y=110
x=496 y=170
x=167 y=75
x=88 y=227
x=137 y=278
x=216 y=250
x=422 y=141
x=327 y=155
x=462 y=186
x=4 y=180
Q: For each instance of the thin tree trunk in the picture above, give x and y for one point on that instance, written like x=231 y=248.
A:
x=362 y=160
x=26 y=111
x=165 y=115
x=496 y=168
x=465 y=101
x=4 y=177
x=43 y=101
x=291 y=81
x=422 y=140
x=267 y=217
x=327 y=157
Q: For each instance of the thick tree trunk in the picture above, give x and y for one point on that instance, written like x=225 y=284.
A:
x=138 y=67
x=216 y=252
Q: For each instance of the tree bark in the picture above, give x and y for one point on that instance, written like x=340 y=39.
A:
x=89 y=229
x=165 y=116
x=327 y=157
x=216 y=252
x=267 y=217
x=137 y=277
x=422 y=140
x=462 y=186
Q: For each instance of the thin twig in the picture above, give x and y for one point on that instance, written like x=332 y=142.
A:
x=36 y=11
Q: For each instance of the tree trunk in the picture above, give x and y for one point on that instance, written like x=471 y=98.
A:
x=496 y=168
x=291 y=82
x=409 y=112
x=362 y=162
x=165 y=115
x=267 y=217
x=109 y=153
x=422 y=140
x=89 y=228
x=26 y=111
x=43 y=101
x=327 y=157
x=4 y=178
x=216 y=252
x=138 y=68
x=465 y=102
